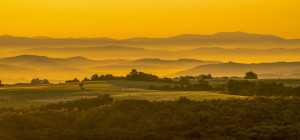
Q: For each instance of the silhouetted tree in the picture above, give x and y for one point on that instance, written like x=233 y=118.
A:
x=37 y=81
x=141 y=76
x=95 y=77
x=81 y=85
x=71 y=81
x=1 y=85
x=86 y=79
x=250 y=75
x=45 y=81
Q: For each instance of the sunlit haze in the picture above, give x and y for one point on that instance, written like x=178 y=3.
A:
x=122 y=19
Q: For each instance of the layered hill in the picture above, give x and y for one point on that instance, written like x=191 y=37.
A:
x=223 y=39
x=122 y=52
x=264 y=70
x=32 y=66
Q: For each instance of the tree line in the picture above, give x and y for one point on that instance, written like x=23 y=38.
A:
x=134 y=75
x=236 y=87
x=249 y=88
x=257 y=118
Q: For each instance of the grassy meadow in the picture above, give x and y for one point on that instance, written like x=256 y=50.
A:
x=27 y=95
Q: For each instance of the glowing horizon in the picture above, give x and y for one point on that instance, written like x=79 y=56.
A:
x=121 y=19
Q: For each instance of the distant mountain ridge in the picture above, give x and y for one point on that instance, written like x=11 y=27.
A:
x=186 y=39
x=248 y=55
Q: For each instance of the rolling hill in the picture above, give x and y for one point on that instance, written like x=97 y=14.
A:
x=243 y=55
x=264 y=70
x=32 y=66
x=223 y=39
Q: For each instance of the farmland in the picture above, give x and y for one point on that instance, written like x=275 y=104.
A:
x=27 y=95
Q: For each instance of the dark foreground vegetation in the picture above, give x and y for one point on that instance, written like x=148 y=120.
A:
x=102 y=118
x=236 y=87
x=248 y=88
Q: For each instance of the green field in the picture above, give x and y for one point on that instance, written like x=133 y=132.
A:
x=17 y=96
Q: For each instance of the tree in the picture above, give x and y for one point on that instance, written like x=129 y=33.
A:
x=35 y=81
x=95 y=77
x=250 y=75
x=45 y=81
x=1 y=85
x=71 y=81
x=81 y=85
x=86 y=79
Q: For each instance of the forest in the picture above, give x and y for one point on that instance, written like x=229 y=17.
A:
x=258 y=118
x=266 y=110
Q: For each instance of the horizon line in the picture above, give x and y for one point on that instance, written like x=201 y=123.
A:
x=49 y=37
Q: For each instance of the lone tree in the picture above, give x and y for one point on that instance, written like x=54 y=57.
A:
x=81 y=85
x=250 y=75
x=85 y=79
x=1 y=85
x=95 y=77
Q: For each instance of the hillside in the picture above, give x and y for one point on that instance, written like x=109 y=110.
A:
x=32 y=66
x=264 y=70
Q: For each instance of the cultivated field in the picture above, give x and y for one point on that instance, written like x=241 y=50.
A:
x=18 y=96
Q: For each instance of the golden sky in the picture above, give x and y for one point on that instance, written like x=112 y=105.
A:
x=148 y=18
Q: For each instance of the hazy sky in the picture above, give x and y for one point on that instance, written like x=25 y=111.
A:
x=149 y=18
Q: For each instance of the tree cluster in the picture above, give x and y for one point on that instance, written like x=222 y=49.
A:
x=37 y=81
x=72 y=81
x=101 y=118
x=141 y=76
x=102 y=77
x=133 y=75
